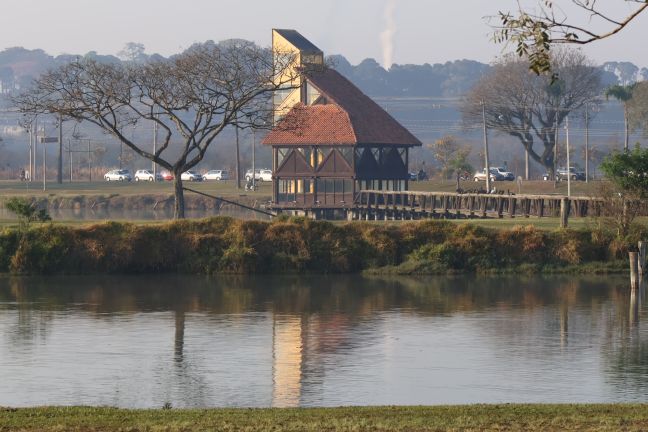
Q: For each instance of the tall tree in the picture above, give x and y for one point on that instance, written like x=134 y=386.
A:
x=534 y=29
x=622 y=93
x=638 y=108
x=192 y=97
x=530 y=107
x=445 y=150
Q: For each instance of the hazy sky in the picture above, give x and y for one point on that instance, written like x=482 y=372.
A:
x=418 y=31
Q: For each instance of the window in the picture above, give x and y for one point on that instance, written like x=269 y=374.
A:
x=347 y=154
x=312 y=95
x=286 y=191
x=322 y=153
x=281 y=155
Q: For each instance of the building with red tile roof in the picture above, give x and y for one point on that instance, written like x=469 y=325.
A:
x=331 y=140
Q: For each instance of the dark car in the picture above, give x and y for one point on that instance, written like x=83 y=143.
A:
x=564 y=174
x=418 y=176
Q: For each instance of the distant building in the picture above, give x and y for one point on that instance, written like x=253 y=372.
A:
x=330 y=139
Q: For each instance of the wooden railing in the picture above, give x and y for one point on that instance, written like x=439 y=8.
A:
x=450 y=204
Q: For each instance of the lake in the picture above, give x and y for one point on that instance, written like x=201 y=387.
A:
x=147 y=341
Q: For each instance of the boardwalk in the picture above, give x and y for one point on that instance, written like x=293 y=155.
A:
x=387 y=205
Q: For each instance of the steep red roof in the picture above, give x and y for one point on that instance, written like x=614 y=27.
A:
x=315 y=125
x=350 y=117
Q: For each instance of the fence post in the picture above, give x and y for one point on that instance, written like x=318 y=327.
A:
x=564 y=212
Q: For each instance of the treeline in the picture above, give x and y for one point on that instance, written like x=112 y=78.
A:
x=298 y=245
x=19 y=66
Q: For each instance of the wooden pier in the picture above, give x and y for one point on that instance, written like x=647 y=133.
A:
x=388 y=205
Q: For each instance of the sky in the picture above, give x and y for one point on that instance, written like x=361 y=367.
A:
x=398 y=31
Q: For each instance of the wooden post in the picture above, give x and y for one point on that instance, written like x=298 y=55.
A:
x=642 y=258
x=564 y=212
x=634 y=272
x=512 y=205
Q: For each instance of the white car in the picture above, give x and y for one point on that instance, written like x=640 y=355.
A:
x=147 y=175
x=192 y=176
x=262 y=175
x=118 y=175
x=216 y=175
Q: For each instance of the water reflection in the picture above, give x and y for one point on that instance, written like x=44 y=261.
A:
x=161 y=214
x=289 y=341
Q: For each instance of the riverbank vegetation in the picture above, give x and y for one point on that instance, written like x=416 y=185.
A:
x=299 y=245
x=506 y=417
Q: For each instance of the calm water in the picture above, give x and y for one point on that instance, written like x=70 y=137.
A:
x=281 y=341
x=140 y=214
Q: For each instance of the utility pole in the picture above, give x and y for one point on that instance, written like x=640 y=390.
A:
x=31 y=149
x=89 y=163
x=486 y=159
x=155 y=133
x=253 y=159
x=586 y=143
x=44 y=165
x=568 y=166
x=59 y=172
x=35 y=149
x=70 y=157
x=555 y=161
x=238 y=159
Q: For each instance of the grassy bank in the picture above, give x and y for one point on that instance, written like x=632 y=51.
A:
x=441 y=418
x=225 y=245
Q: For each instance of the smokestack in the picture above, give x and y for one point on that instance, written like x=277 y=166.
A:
x=387 y=35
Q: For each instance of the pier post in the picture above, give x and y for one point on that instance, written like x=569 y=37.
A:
x=642 y=258
x=634 y=272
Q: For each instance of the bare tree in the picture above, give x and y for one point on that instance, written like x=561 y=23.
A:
x=533 y=32
x=192 y=97
x=530 y=107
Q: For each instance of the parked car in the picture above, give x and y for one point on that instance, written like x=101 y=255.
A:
x=166 y=175
x=118 y=175
x=504 y=174
x=481 y=175
x=261 y=175
x=572 y=173
x=418 y=176
x=192 y=176
x=216 y=175
x=147 y=175
x=564 y=174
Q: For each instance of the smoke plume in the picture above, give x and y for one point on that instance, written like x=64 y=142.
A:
x=387 y=35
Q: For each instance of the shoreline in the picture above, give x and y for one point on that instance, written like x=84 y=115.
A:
x=223 y=245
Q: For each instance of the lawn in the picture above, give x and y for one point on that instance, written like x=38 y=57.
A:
x=505 y=417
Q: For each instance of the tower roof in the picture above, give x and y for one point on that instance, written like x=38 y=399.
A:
x=298 y=41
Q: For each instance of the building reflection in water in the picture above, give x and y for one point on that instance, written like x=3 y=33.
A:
x=287 y=361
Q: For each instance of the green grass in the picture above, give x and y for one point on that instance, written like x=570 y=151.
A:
x=506 y=417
